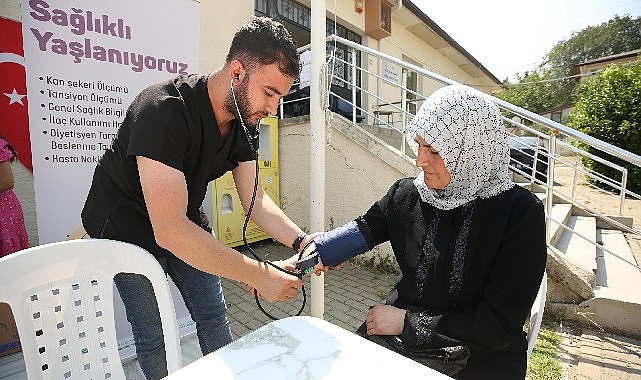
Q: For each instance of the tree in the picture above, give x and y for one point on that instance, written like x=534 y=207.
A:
x=618 y=35
x=609 y=109
x=554 y=80
x=531 y=92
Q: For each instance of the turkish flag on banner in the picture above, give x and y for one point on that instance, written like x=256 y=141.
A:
x=14 y=116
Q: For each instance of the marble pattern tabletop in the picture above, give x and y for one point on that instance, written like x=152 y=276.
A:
x=303 y=348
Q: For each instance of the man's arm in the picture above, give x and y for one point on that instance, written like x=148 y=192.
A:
x=266 y=214
x=165 y=193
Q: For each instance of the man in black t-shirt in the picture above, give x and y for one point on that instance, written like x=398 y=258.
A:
x=147 y=189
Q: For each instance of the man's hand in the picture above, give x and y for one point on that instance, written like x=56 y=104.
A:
x=276 y=285
x=385 y=320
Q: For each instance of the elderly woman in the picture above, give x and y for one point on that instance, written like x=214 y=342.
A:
x=469 y=242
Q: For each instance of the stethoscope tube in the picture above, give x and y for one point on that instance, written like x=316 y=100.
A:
x=251 y=207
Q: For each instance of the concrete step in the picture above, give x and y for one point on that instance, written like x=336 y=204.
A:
x=561 y=213
x=616 y=305
x=539 y=191
x=617 y=269
x=576 y=247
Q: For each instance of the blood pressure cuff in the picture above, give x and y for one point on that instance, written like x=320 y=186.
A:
x=341 y=244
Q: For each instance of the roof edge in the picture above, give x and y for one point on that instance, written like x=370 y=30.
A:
x=431 y=24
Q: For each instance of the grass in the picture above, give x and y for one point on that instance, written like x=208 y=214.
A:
x=544 y=362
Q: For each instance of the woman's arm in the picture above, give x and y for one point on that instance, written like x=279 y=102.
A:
x=352 y=238
x=6 y=176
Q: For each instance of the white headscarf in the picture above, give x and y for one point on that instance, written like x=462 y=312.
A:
x=464 y=126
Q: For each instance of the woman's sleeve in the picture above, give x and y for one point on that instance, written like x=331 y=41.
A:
x=507 y=296
x=5 y=153
x=355 y=237
x=373 y=224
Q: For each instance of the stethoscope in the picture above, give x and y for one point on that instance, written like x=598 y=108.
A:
x=250 y=140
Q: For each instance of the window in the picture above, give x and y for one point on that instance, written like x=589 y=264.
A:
x=290 y=10
x=342 y=69
x=378 y=19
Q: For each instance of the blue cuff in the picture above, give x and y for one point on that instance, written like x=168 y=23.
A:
x=341 y=244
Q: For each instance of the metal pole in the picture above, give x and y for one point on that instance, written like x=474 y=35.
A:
x=549 y=193
x=404 y=73
x=317 y=144
x=624 y=185
x=353 y=82
x=576 y=166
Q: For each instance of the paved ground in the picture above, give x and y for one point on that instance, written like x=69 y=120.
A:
x=590 y=354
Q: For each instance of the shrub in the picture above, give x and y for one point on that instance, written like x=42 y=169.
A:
x=609 y=109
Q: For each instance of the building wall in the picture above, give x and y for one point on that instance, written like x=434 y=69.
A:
x=402 y=42
x=217 y=28
x=561 y=115
x=597 y=67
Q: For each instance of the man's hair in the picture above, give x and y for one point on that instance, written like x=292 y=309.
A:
x=265 y=41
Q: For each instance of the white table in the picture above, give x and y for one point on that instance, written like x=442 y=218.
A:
x=303 y=348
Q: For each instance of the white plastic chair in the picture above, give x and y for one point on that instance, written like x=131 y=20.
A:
x=536 y=315
x=61 y=295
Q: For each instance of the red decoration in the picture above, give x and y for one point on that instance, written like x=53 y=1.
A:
x=358 y=6
x=14 y=116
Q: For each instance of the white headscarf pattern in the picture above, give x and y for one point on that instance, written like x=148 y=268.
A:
x=464 y=126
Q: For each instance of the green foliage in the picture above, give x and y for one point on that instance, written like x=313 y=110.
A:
x=552 y=84
x=618 y=35
x=532 y=93
x=609 y=109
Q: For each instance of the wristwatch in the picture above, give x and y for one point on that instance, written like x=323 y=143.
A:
x=299 y=239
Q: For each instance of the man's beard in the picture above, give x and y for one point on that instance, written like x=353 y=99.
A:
x=243 y=102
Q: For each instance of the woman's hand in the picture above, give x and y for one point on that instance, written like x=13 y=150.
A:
x=385 y=320
x=320 y=268
x=308 y=239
